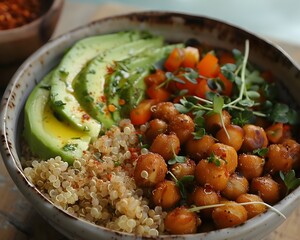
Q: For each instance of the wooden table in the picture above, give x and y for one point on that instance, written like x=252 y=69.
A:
x=19 y=221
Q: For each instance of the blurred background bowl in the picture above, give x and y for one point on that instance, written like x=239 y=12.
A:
x=173 y=27
x=16 y=44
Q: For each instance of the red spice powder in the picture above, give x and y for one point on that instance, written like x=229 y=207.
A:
x=16 y=13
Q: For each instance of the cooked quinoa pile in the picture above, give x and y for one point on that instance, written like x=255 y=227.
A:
x=100 y=187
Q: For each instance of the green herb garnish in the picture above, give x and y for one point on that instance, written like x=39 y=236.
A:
x=180 y=183
x=70 y=147
x=290 y=180
x=59 y=103
x=280 y=112
x=262 y=152
x=46 y=87
x=191 y=75
x=177 y=159
x=244 y=104
x=214 y=159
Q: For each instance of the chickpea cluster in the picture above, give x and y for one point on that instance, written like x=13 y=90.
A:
x=223 y=164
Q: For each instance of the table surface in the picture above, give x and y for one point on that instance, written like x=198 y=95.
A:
x=19 y=220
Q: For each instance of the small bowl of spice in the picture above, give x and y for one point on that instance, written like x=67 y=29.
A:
x=25 y=25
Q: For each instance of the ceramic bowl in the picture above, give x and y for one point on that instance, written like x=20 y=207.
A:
x=174 y=27
x=18 y=43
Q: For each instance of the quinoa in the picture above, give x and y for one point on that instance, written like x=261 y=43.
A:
x=99 y=187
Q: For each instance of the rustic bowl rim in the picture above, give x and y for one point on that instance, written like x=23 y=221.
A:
x=14 y=169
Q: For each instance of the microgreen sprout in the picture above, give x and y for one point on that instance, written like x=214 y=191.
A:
x=197 y=209
x=176 y=158
x=191 y=75
x=262 y=152
x=244 y=105
x=170 y=77
x=243 y=71
x=214 y=159
x=180 y=183
x=218 y=104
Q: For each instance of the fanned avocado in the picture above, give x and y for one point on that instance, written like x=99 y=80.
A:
x=47 y=136
x=89 y=83
x=63 y=114
x=62 y=100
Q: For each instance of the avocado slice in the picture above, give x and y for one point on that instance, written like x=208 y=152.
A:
x=45 y=134
x=132 y=89
x=62 y=99
x=89 y=84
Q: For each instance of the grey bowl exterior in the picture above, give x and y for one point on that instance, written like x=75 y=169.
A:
x=174 y=27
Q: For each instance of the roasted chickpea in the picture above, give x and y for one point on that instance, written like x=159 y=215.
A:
x=213 y=121
x=278 y=159
x=293 y=148
x=166 y=145
x=203 y=197
x=266 y=188
x=213 y=174
x=236 y=186
x=166 y=194
x=229 y=215
x=183 y=126
x=183 y=169
x=197 y=149
x=156 y=127
x=274 y=132
x=250 y=166
x=165 y=111
x=181 y=221
x=150 y=169
x=227 y=153
x=252 y=209
x=254 y=138
x=235 y=134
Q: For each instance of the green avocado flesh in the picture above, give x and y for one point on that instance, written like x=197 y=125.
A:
x=47 y=136
x=67 y=110
x=89 y=83
x=62 y=99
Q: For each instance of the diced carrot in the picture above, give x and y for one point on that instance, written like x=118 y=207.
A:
x=174 y=60
x=226 y=57
x=171 y=86
x=202 y=89
x=208 y=66
x=227 y=84
x=155 y=78
x=177 y=99
x=142 y=113
x=158 y=93
x=191 y=57
x=275 y=132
